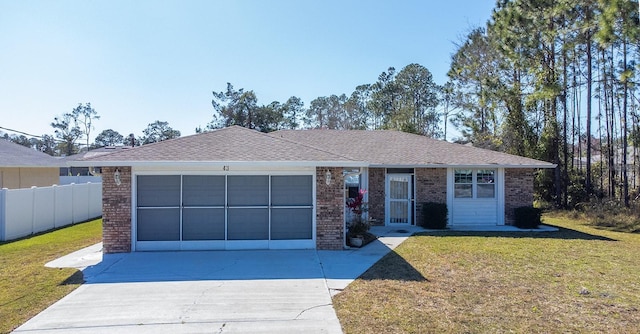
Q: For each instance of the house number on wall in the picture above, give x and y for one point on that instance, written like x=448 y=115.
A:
x=225 y=168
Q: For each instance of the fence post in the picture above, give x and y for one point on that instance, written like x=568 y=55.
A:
x=33 y=209
x=55 y=209
x=73 y=203
x=3 y=216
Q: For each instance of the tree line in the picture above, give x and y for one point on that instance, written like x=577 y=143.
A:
x=72 y=134
x=406 y=100
x=556 y=80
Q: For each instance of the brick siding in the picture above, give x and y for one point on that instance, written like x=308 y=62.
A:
x=329 y=209
x=376 y=194
x=116 y=211
x=518 y=188
x=431 y=186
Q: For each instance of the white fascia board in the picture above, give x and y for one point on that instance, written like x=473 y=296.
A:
x=462 y=166
x=220 y=163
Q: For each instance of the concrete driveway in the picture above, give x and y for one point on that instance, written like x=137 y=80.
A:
x=209 y=292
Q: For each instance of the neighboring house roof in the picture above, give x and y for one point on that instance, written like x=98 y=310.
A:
x=229 y=145
x=388 y=148
x=14 y=155
x=344 y=148
x=68 y=160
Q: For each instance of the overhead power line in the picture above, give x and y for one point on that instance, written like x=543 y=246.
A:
x=28 y=134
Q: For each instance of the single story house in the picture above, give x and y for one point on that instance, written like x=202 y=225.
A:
x=236 y=188
x=23 y=167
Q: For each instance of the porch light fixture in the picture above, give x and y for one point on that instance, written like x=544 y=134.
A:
x=116 y=177
x=327 y=177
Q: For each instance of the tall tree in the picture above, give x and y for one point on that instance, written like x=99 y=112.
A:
x=447 y=97
x=84 y=116
x=157 y=132
x=327 y=112
x=418 y=101
x=240 y=107
x=108 y=137
x=47 y=144
x=474 y=72
x=356 y=107
x=292 y=111
x=385 y=95
x=67 y=130
x=234 y=107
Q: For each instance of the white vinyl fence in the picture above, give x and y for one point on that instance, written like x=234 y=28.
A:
x=78 y=179
x=27 y=211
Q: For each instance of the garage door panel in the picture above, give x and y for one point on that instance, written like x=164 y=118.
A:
x=252 y=190
x=158 y=190
x=203 y=224
x=203 y=190
x=158 y=224
x=247 y=224
x=291 y=190
x=291 y=224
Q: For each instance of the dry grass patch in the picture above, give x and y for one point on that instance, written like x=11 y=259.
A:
x=26 y=286
x=577 y=280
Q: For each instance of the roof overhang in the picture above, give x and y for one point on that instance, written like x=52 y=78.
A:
x=33 y=166
x=488 y=166
x=196 y=164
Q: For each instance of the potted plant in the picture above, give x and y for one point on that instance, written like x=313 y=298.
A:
x=358 y=226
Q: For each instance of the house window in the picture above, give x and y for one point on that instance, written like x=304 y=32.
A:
x=485 y=179
x=474 y=183
x=463 y=183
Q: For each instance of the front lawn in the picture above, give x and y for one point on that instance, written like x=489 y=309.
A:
x=26 y=286
x=577 y=280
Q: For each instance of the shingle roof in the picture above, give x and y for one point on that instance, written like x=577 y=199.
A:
x=394 y=148
x=312 y=147
x=14 y=155
x=68 y=160
x=232 y=144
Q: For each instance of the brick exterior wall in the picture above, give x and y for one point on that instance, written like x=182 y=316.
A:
x=518 y=188
x=376 y=194
x=116 y=211
x=329 y=209
x=431 y=186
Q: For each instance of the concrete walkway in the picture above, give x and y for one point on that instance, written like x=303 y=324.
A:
x=209 y=292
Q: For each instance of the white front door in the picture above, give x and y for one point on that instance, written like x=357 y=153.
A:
x=398 y=199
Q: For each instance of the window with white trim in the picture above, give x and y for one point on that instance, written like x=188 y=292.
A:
x=474 y=183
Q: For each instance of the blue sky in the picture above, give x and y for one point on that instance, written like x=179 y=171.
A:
x=141 y=61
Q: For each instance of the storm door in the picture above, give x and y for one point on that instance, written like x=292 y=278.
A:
x=398 y=199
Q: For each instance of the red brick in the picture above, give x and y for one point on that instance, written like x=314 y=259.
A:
x=329 y=209
x=518 y=188
x=116 y=211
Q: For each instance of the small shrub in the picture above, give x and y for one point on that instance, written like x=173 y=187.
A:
x=358 y=227
x=434 y=215
x=527 y=217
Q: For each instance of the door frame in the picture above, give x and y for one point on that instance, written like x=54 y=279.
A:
x=409 y=200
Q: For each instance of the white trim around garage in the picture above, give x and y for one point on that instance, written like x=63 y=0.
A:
x=223 y=244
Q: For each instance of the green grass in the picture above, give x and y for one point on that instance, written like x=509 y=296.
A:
x=26 y=286
x=577 y=280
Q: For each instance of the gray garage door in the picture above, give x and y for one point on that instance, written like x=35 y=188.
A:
x=223 y=212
